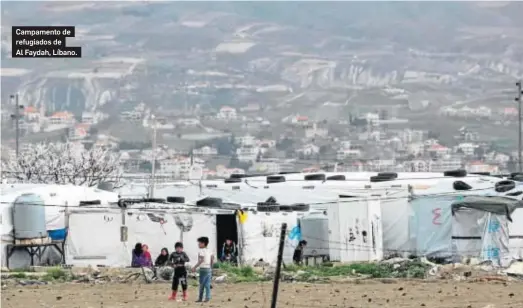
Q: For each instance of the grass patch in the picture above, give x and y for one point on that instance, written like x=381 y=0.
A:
x=408 y=269
x=18 y=275
x=18 y=270
x=239 y=273
x=56 y=273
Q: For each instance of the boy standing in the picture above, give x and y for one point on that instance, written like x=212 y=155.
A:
x=178 y=259
x=205 y=263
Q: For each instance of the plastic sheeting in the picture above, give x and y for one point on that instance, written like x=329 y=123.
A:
x=356 y=230
x=481 y=234
x=495 y=239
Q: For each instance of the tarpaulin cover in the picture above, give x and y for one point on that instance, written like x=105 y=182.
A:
x=495 y=246
x=493 y=204
x=480 y=234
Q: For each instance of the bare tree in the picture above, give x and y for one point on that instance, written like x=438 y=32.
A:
x=63 y=163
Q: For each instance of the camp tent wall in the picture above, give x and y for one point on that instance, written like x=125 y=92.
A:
x=356 y=230
x=431 y=227
x=395 y=207
x=395 y=217
x=156 y=229
x=55 y=198
x=260 y=236
x=480 y=228
x=431 y=221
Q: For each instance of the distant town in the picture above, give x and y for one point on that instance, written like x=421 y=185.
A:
x=374 y=144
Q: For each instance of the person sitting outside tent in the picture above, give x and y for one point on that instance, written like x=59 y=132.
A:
x=147 y=254
x=298 y=252
x=163 y=258
x=139 y=258
x=229 y=251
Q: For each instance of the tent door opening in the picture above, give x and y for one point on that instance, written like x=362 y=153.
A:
x=226 y=228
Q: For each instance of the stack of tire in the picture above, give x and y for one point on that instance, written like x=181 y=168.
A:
x=275 y=207
x=384 y=177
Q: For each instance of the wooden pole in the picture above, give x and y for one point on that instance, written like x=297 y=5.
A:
x=277 y=274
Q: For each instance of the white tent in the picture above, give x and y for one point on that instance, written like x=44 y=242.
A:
x=257 y=237
x=320 y=196
x=401 y=221
x=480 y=228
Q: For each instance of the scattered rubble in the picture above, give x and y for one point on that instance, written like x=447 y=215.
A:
x=395 y=268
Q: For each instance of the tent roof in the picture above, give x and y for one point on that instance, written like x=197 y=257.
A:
x=493 y=204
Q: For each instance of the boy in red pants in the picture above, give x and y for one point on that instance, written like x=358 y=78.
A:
x=178 y=259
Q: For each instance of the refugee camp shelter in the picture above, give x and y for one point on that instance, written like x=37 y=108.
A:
x=319 y=195
x=480 y=227
x=257 y=233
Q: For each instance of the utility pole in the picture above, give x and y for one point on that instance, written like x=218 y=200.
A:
x=16 y=116
x=518 y=100
x=153 y=161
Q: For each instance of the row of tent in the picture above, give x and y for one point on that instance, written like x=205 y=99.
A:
x=397 y=217
x=415 y=208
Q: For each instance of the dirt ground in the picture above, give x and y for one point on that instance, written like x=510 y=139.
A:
x=258 y=295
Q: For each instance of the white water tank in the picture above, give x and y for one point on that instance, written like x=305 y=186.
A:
x=315 y=230
x=29 y=217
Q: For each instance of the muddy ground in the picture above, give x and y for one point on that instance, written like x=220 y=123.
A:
x=444 y=294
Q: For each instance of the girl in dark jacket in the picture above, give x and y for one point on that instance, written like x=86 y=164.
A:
x=162 y=258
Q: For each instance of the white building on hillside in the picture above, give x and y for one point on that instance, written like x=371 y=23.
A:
x=205 y=151
x=227 y=113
